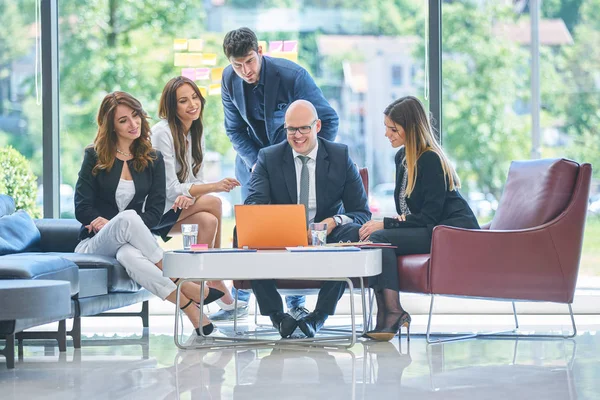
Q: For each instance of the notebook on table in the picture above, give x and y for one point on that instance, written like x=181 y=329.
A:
x=271 y=226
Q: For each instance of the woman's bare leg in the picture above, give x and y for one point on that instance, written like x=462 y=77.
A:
x=206 y=212
x=192 y=312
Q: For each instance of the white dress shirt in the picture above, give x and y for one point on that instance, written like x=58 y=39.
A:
x=162 y=140
x=311 y=164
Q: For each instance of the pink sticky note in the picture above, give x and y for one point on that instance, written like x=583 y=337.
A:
x=276 y=45
x=202 y=73
x=290 y=45
x=199 y=246
x=189 y=73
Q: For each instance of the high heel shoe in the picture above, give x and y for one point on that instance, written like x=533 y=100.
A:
x=206 y=329
x=213 y=294
x=387 y=333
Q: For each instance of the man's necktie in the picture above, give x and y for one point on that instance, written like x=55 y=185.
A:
x=304 y=184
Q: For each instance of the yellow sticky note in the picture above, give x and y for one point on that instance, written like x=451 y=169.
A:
x=288 y=55
x=214 y=89
x=263 y=44
x=181 y=60
x=209 y=58
x=216 y=74
x=195 y=44
x=195 y=59
x=203 y=91
x=180 y=44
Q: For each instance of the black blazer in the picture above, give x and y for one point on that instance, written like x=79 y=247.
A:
x=95 y=195
x=338 y=184
x=431 y=203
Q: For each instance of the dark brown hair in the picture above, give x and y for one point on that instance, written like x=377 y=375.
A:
x=105 y=143
x=239 y=42
x=167 y=109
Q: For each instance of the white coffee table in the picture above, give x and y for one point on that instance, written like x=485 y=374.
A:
x=272 y=264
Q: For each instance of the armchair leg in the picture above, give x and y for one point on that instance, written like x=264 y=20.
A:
x=496 y=335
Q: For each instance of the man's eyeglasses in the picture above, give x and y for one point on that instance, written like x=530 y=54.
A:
x=304 y=130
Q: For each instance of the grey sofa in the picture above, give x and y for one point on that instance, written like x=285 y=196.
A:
x=43 y=249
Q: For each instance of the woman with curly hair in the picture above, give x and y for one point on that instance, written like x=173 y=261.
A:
x=120 y=196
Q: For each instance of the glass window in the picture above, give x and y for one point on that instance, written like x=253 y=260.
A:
x=20 y=104
x=397 y=75
x=347 y=46
x=487 y=98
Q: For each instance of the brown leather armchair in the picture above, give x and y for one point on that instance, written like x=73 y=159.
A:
x=529 y=252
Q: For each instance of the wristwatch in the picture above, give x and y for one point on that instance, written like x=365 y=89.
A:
x=338 y=220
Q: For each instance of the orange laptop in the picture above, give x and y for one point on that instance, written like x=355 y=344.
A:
x=271 y=226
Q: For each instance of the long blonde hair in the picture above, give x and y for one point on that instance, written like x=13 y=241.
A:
x=409 y=113
x=105 y=142
x=167 y=110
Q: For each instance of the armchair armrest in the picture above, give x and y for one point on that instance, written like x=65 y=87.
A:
x=58 y=235
x=518 y=264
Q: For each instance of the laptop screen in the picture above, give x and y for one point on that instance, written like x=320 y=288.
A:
x=271 y=226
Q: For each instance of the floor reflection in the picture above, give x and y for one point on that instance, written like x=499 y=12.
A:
x=151 y=368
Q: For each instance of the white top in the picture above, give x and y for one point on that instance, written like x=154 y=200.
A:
x=162 y=140
x=124 y=193
x=311 y=164
x=272 y=264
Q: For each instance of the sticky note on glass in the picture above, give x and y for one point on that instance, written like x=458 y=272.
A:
x=216 y=74
x=202 y=74
x=195 y=44
x=290 y=45
x=189 y=73
x=288 y=55
x=180 y=44
x=276 y=45
x=203 y=91
x=181 y=60
x=263 y=44
x=195 y=59
x=214 y=89
x=209 y=58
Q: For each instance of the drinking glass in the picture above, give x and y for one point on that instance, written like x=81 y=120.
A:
x=190 y=235
x=318 y=233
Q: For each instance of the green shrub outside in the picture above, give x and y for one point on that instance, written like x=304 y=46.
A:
x=17 y=180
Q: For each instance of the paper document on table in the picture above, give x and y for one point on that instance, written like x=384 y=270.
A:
x=318 y=249
x=200 y=251
x=361 y=244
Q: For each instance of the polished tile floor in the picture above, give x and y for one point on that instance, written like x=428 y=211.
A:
x=116 y=363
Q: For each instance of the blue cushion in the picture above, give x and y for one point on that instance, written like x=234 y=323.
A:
x=7 y=205
x=18 y=234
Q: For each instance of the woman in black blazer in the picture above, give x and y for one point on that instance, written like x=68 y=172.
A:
x=426 y=195
x=120 y=196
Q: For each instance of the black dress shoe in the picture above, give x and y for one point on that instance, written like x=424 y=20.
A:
x=311 y=324
x=284 y=323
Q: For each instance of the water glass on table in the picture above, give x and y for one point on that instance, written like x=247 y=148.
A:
x=318 y=232
x=190 y=235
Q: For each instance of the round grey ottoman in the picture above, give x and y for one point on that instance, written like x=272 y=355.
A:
x=23 y=298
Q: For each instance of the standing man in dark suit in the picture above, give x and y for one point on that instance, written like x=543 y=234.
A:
x=319 y=174
x=256 y=92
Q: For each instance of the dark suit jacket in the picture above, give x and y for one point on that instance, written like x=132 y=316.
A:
x=430 y=203
x=338 y=184
x=95 y=195
x=285 y=82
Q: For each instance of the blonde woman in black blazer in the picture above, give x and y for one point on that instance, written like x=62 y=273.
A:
x=120 y=196
x=426 y=195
